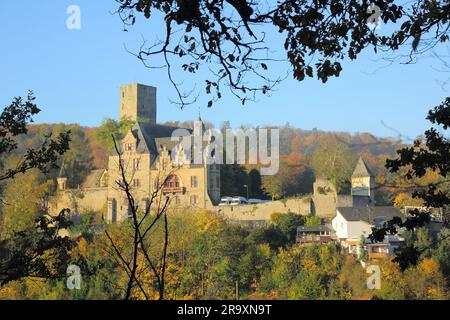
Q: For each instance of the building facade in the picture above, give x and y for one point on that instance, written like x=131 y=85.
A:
x=152 y=161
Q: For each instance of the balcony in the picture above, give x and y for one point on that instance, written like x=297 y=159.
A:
x=173 y=190
x=313 y=239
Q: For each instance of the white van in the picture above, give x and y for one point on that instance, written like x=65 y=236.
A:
x=225 y=201
x=238 y=201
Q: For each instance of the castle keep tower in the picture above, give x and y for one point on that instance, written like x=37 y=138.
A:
x=363 y=185
x=138 y=102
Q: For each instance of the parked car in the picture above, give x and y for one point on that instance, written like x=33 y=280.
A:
x=239 y=201
x=225 y=201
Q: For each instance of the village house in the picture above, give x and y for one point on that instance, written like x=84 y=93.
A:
x=351 y=223
x=313 y=234
x=384 y=249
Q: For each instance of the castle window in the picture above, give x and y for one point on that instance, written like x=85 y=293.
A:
x=129 y=212
x=172 y=181
x=177 y=200
x=194 y=200
x=136 y=183
x=172 y=185
x=128 y=147
x=194 y=182
x=137 y=164
x=146 y=204
x=114 y=211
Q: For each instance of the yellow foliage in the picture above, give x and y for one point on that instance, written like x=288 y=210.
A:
x=7 y=293
x=208 y=222
x=391 y=273
x=404 y=199
x=429 y=266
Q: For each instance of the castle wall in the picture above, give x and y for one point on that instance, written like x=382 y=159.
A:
x=324 y=198
x=78 y=200
x=263 y=211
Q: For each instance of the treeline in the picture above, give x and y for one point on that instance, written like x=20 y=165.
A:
x=208 y=257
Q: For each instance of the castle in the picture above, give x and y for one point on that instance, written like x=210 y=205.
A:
x=153 y=160
x=149 y=165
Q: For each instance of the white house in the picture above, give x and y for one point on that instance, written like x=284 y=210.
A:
x=351 y=223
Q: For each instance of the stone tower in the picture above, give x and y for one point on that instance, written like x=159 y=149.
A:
x=138 y=102
x=363 y=185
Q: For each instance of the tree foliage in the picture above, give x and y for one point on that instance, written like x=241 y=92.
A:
x=112 y=128
x=36 y=250
x=334 y=160
x=231 y=37
x=13 y=123
x=431 y=155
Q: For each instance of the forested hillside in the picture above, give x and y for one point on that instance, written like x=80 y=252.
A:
x=208 y=257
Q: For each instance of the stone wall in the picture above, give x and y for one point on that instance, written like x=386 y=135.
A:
x=80 y=200
x=261 y=212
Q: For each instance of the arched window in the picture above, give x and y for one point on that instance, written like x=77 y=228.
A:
x=172 y=181
x=172 y=185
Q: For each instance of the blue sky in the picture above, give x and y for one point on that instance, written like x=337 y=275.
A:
x=76 y=75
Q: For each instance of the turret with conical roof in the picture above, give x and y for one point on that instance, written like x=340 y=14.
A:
x=62 y=178
x=361 y=170
x=363 y=185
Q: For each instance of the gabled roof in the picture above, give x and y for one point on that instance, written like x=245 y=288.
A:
x=361 y=170
x=147 y=133
x=368 y=214
x=151 y=137
x=93 y=179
